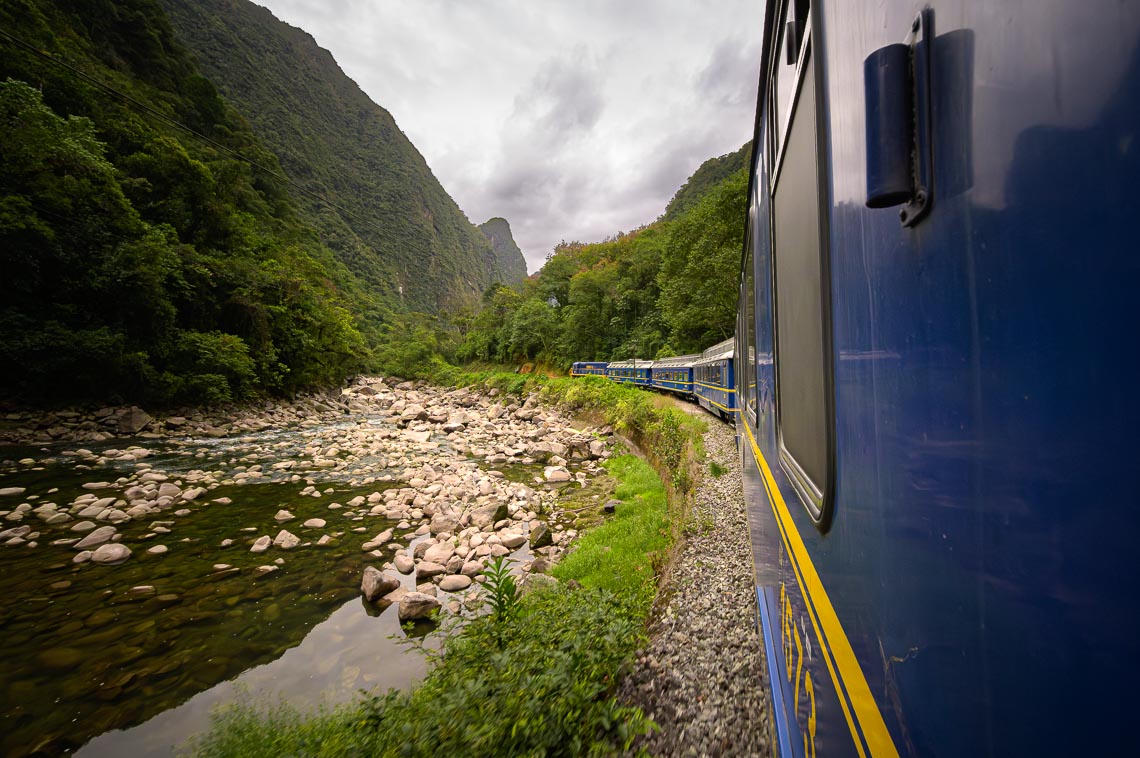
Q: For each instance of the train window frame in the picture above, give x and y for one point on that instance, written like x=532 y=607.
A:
x=794 y=15
x=817 y=497
x=746 y=365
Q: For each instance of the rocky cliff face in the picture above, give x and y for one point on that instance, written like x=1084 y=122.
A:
x=508 y=257
x=367 y=189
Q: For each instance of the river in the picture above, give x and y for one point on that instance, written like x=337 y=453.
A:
x=130 y=659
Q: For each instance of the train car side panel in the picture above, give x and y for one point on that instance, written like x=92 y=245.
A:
x=974 y=592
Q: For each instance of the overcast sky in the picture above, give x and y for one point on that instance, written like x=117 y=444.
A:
x=572 y=119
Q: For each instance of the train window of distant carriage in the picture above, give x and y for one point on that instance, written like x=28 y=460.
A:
x=801 y=294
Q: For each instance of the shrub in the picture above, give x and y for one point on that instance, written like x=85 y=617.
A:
x=548 y=691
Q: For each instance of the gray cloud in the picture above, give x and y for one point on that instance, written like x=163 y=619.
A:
x=563 y=97
x=572 y=119
x=731 y=73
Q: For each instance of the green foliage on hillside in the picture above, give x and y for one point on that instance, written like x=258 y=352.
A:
x=710 y=173
x=142 y=263
x=392 y=224
x=666 y=289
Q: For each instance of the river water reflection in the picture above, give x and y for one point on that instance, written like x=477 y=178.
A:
x=129 y=659
x=343 y=654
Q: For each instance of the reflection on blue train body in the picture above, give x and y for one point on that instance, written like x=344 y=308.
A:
x=936 y=375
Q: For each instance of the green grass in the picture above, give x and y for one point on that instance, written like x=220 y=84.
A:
x=251 y=730
x=717 y=470
x=623 y=555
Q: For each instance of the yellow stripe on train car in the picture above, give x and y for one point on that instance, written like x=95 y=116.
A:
x=846 y=673
x=715 y=387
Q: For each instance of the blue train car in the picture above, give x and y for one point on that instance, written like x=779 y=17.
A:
x=674 y=374
x=588 y=368
x=714 y=380
x=630 y=372
x=939 y=407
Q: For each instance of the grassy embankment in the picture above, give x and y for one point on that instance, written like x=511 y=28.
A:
x=538 y=677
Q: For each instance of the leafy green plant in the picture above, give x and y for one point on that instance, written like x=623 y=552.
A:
x=502 y=594
x=717 y=470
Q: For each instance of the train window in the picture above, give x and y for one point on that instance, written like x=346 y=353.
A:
x=789 y=45
x=747 y=366
x=803 y=378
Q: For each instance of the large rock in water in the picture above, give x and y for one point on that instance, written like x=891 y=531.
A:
x=427 y=569
x=485 y=516
x=444 y=522
x=134 y=420
x=417 y=605
x=540 y=536
x=414 y=412
x=97 y=537
x=439 y=553
x=286 y=540
x=556 y=474
x=455 y=583
x=511 y=541
x=376 y=583
x=111 y=554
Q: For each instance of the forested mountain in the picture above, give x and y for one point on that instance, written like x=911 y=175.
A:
x=707 y=176
x=393 y=224
x=509 y=257
x=149 y=250
x=668 y=288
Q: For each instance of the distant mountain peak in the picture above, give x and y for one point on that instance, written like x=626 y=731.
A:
x=507 y=253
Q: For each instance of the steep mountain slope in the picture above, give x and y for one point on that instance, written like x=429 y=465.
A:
x=140 y=260
x=709 y=174
x=394 y=224
x=507 y=254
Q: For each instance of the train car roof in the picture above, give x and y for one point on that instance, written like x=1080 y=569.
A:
x=677 y=361
x=719 y=351
x=634 y=363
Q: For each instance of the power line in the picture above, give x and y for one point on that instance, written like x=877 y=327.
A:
x=177 y=124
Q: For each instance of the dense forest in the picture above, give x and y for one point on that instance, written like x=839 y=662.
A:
x=710 y=173
x=156 y=250
x=668 y=288
x=149 y=244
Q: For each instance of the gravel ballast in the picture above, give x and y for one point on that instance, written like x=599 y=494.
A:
x=703 y=678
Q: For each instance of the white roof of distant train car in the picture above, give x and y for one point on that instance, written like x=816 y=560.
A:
x=719 y=351
x=634 y=363
x=677 y=361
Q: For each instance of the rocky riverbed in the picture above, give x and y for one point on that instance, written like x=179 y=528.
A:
x=703 y=676
x=144 y=560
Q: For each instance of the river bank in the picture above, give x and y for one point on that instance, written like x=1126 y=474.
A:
x=216 y=530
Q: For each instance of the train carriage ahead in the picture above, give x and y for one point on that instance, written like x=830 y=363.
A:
x=630 y=372
x=714 y=379
x=674 y=374
x=588 y=368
